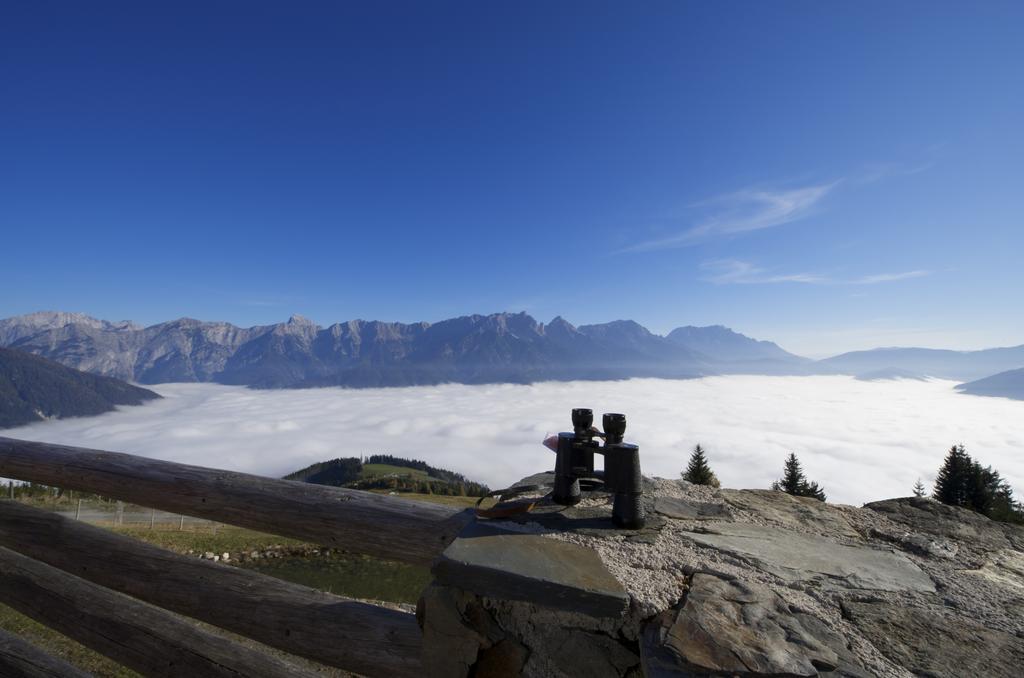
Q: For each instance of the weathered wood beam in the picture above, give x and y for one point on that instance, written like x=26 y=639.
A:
x=21 y=659
x=152 y=641
x=359 y=637
x=364 y=522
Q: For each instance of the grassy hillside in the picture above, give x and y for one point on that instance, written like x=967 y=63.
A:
x=387 y=473
x=378 y=470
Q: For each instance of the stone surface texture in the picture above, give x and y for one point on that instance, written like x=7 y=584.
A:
x=807 y=559
x=741 y=583
x=497 y=563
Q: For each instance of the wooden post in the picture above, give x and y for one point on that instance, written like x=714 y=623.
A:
x=359 y=637
x=10 y=489
x=78 y=510
x=363 y=522
x=152 y=518
x=119 y=518
x=21 y=658
x=181 y=523
x=142 y=637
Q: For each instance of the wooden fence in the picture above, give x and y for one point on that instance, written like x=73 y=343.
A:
x=62 y=572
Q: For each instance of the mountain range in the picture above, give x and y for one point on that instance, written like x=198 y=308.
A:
x=33 y=388
x=501 y=347
x=944 y=364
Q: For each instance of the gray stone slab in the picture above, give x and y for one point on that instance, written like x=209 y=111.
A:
x=795 y=557
x=738 y=628
x=544 y=479
x=934 y=642
x=497 y=563
x=786 y=511
x=681 y=509
x=927 y=516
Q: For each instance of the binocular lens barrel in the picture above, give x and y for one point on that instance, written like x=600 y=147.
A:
x=614 y=427
x=575 y=459
x=582 y=419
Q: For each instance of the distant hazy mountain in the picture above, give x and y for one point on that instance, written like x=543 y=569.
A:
x=959 y=365
x=889 y=373
x=502 y=347
x=1009 y=384
x=734 y=352
x=33 y=388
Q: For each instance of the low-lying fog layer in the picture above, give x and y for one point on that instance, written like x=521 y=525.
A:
x=861 y=440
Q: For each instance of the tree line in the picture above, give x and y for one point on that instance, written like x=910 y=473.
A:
x=960 y=481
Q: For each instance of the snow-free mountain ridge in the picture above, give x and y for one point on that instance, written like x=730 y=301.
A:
x=1008 y=384
x=927 y=362
x=502 y=347
x=474 y=349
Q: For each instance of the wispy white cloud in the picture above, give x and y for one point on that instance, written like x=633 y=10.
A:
x=735 y=272
x=862 y=440
x=744 y=211
x=888 y=277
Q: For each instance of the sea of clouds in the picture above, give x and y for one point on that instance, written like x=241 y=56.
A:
x=862 y=440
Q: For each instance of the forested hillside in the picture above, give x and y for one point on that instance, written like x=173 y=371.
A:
x=34 y=389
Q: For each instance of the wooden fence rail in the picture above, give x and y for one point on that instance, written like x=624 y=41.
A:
x=356 y=636
x=378 y=525
x=152 y=641
x=24 y=660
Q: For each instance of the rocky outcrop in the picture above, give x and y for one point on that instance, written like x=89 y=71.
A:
x=731 y=583
x=804 y=559
x=702 y=635
x=934 y=641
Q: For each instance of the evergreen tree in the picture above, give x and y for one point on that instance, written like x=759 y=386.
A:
x=698 y=472
x=792 y=477
x=1004 y=508
x=919 y=488
x=982 y=485
x=953 y=484
x=964 y=482
x=794 y=482
x=812 y=489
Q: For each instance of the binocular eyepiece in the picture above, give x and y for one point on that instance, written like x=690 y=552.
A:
x=582 y=420
x=575 y=460
x=614 y=428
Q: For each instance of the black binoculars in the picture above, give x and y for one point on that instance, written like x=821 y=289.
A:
x=621 y=475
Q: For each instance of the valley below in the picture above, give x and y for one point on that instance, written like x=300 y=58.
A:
x=862 y=440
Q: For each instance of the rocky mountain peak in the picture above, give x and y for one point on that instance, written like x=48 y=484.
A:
x=559 y=328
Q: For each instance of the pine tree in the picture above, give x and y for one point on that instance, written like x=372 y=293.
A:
x=794 y=482
x=919 y=490
x=793 y=476
x=812 y=489
x=982 y=485
x=953 y=483
x=964 y=482
x=1004 y=508
x=698 y=472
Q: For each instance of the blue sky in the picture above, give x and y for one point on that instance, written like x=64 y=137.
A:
x=828 y=176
